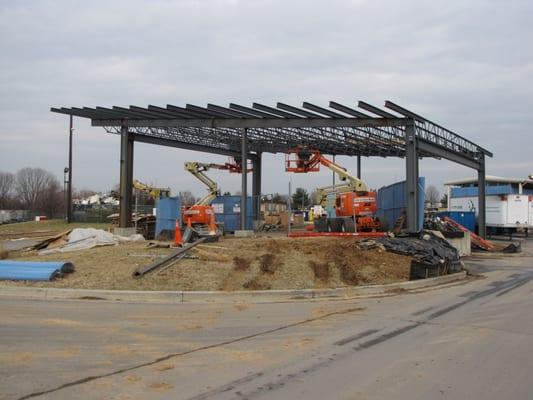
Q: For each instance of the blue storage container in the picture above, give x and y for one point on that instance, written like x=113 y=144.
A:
x=228 y=212
x=465 y=218
x=168 y=211
x=392 y=201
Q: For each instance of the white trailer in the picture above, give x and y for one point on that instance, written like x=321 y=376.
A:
x=509 y=211
x=509 y=201
x=531 y=211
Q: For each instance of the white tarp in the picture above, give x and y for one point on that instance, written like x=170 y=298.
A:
x=87 y=238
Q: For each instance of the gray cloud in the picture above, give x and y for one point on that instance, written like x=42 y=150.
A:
x=464 y=64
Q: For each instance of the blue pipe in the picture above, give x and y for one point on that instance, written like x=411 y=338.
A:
x=33 y=271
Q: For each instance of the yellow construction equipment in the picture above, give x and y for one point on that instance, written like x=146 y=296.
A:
x=155 y=192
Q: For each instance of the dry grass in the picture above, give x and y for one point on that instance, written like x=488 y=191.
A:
x=55 y=225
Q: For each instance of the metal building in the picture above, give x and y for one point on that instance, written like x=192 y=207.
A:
x=509 y=201
x=248 y=132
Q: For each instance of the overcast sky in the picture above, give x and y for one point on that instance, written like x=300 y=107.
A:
x=467 y=65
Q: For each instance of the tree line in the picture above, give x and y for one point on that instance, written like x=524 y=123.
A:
x=33 y=189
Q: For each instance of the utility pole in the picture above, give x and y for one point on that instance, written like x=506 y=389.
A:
x=69 y=187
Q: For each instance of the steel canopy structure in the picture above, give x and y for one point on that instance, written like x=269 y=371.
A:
x=247 y=132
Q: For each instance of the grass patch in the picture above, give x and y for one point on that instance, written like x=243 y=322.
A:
x=49 y=225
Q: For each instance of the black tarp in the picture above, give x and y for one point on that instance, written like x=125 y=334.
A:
x=432 y=255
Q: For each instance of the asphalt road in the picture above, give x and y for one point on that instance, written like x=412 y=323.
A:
x=465 y=341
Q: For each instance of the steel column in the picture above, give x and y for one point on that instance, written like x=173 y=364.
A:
x=256 y=185
x=482 y=228
x=333 y=172
x=359 y=167
x=411 y=175
x=244 y=174
x=69 y=189
x=126 y=176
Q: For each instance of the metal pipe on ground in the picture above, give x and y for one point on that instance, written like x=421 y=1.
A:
x=171 y=258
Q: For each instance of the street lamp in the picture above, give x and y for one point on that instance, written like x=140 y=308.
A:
x=65 y=185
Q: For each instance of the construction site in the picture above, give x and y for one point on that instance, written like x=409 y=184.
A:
x=351 y=236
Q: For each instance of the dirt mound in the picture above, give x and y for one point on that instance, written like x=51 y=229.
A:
x=236 y=264
x=321 y=270
x=241 y=264
x=268 y=263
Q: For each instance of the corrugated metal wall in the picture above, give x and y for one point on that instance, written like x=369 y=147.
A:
x=228 y=212
x=392 y=200
x=168 y=211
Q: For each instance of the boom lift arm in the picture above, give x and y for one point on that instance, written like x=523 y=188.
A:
x=155 y=192
x=198 y=169
x=306 y=160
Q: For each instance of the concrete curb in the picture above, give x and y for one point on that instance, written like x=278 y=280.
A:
x=259 y=296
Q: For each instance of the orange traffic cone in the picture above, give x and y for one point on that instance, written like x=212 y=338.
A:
x=178 y=241
x=212 y=225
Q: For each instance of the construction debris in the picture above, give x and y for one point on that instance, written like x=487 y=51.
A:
x=477 y=241
x=82 y=239
x=513 y=248
x=167 y=261
x=452 y=229
x=144 y=224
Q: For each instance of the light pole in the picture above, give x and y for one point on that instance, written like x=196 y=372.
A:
x=65 y=192
x=69 y=171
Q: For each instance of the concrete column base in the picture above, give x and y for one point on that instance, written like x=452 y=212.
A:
x=244 y=233
x=124 y=231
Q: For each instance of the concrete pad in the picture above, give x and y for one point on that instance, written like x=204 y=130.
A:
x=244 y=233
x=124 y=231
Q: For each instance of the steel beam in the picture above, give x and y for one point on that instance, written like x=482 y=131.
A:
x=256 y=185
x=411 y=175
x=244 y=175
x=438 y=151
x=255 y=122
x=482 y=228
x=184 y=145
x=126 y=176
x=359 y=167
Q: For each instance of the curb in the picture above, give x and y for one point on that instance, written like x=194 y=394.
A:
x=259 y=296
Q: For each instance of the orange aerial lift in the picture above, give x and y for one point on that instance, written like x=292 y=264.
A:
x=355 y=205
x=201 y=216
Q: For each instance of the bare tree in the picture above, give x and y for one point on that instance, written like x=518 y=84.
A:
x=7 y=180
x=37 y=189
x=186 y=198
x=432 y=194
x=316 y=197
x=444 y=200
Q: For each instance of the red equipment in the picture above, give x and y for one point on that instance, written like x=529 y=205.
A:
x=355 y=205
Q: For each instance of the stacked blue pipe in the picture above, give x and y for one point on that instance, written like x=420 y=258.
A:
x=33 y=271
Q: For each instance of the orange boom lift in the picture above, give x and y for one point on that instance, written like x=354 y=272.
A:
x=355 y=205
x=201 y=216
